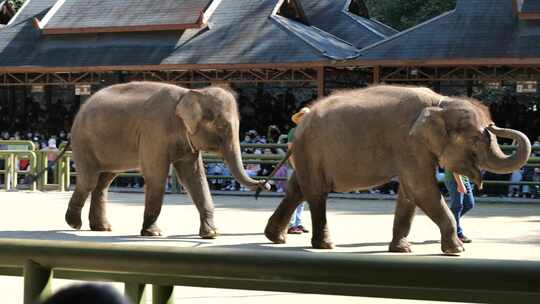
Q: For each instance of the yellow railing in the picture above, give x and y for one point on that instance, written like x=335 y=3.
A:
x=63 y=173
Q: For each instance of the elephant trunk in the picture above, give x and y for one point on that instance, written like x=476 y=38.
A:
x=233 y=158
x=497 y=161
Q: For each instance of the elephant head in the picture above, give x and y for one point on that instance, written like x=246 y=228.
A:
x=463 y=137
x=211 y=119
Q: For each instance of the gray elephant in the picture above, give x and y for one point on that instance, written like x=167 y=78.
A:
x=148 y=126
x=362 y=138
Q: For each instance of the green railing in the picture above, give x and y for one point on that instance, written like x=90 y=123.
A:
x=400 y=277
x=63 y=173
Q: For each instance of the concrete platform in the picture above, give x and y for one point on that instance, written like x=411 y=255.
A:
x=499 y=231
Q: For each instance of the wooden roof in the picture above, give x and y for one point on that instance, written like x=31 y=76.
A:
x=477 y=31
x=237 y=33
x=83 y=16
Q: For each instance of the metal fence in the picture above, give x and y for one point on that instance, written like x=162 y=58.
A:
x=63 y=172
x=422 y=278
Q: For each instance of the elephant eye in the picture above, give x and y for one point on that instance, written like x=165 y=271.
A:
x=222 y=127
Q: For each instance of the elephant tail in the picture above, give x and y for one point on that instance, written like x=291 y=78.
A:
x=30 y=178
x=266 y=186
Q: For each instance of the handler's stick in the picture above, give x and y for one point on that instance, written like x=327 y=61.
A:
x=279 y=165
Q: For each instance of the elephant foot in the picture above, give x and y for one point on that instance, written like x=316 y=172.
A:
x=73 y=220
x=208 y=233
x=275 y=235
x=454 y=247
x=322 y=244
x=151 y=231
x=103 y=226
x=402 y=246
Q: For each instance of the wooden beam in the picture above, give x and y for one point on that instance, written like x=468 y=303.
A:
x=37 y=24
x=120 y=29
x=509 y=61
x=165 y=67
x=376 y=75
x=529 y=16
x=320 y=82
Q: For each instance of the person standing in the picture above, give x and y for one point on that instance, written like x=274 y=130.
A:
x=461 y=199
x=295 y=225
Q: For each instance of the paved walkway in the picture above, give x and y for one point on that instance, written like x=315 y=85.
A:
x=499 y=231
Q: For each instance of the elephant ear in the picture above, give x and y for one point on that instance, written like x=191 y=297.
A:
x=189 y=110
x=430 y=129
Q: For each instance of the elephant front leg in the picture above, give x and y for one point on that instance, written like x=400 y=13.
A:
x=429 y=199
x=403 y=218
x=192 y=176
x=276 y=228
x=155 y=179
x=152 y=209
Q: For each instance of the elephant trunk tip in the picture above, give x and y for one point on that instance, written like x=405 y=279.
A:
x=497 y=160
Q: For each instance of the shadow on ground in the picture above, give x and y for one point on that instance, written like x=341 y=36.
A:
x=189 y=240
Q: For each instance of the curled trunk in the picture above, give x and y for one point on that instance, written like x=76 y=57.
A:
x=497 y=161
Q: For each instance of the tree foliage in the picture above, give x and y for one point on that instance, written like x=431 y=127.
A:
x=17 y=3
x=403 y=14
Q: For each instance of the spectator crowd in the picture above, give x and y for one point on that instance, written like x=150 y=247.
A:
x=51 y=142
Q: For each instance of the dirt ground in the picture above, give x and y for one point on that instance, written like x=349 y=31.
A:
x=498 y=230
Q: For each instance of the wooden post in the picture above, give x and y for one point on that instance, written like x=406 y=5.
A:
x=33 y=169
x=376 y=75
x=437 y=86
x=162 y=294
x=37 y=282
x=135 y=292
x=469 y=88
x=67 y=171
x=8 y=176
x=320 y=82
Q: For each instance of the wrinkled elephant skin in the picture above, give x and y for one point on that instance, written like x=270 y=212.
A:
x=148 y=126
x=359 y=139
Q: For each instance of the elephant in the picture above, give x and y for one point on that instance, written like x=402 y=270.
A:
x=361 y=138
x=148 y=126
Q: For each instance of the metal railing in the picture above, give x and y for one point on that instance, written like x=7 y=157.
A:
x=63 y=172
x=400 y=277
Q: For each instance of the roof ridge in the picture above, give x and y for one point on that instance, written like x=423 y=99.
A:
x=383 y=24
x=358 y=19
x=273 y=16
x=276 y=18
x=393 y=37
x=52 y=11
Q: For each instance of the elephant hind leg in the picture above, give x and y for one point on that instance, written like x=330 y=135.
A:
x=276 y=228
x=98 y=212
x=86 y=182
x=403 y=217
